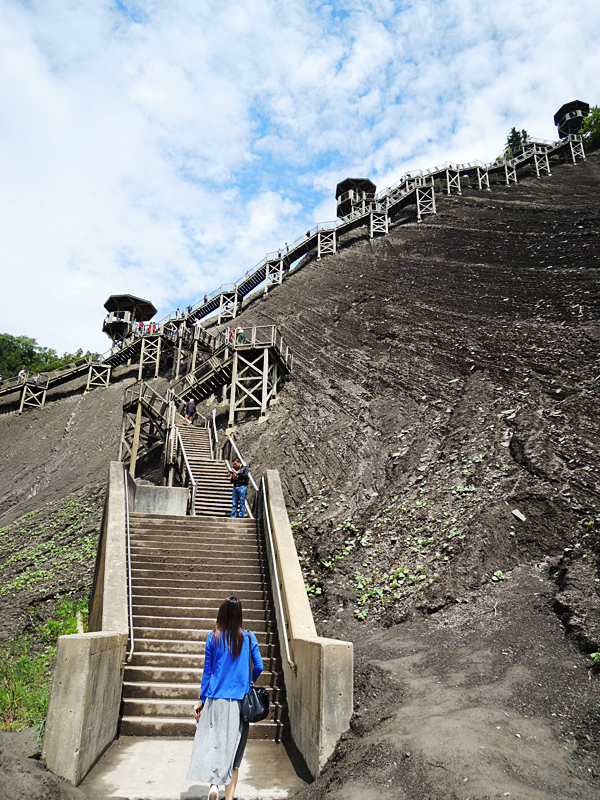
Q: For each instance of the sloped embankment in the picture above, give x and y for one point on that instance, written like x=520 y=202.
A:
x=438 y=442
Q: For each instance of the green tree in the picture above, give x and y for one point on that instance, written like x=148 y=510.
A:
x=590 y=129
x=23 y=351
x=515 y=141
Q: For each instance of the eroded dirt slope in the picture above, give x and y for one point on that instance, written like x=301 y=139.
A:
x=439 y=441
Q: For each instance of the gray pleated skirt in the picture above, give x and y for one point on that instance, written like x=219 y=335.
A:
x=219 y=743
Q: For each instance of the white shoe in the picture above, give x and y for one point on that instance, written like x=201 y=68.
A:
x=213 y=793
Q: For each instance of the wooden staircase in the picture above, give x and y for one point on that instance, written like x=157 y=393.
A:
x=213 y=493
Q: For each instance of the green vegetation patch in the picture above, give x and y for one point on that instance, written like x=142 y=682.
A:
x=49 y=546
x=26 y=675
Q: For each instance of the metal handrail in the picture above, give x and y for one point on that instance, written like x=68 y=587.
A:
x=129 y=581
x=215 y=433
x=190 y=474
x=271 y=544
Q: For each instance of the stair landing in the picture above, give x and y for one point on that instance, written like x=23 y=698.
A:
x=147 y=768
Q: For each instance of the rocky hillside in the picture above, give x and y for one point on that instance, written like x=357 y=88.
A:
x=439 y=446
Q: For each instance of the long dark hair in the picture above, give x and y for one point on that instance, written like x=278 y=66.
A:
x=228 y=630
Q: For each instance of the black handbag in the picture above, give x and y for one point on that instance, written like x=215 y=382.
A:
x=256 y=704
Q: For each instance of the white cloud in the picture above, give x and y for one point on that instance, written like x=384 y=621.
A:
x=162 y=148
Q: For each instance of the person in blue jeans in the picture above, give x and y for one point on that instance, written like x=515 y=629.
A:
x=231 y=661
x=239 y=478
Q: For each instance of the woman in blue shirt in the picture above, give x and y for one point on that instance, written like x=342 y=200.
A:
x=221 y=735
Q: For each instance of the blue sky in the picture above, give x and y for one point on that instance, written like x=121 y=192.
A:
x=162 y=148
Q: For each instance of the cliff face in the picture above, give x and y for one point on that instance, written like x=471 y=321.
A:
x=449 y=370
x=438 y=442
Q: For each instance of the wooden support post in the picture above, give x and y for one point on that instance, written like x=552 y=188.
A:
x=195 y=350
x=141 y=368
x=157 y=364
x=136 y=439
x=179 y=346
x=266 y=289
x=22 y=398
x=265 y=385
x=232 y=396
x=122 y=439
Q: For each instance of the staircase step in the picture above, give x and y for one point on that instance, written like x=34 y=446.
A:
x=252 y=617
x=168 y=726
x=185 y=623
x=246 y=562
x=198 y=550
x=186 y=661
x=177 y=709
x=221 y=573
x=184 y=685
x=252 y=598
x=230 y=583
x=187 y=634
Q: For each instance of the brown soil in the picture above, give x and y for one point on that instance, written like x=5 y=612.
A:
x=445 y=377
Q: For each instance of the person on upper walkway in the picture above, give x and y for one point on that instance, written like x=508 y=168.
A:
x=22 y=374
x=232 y=661
x=240 y=475
x=240 y=336
x=190 y=411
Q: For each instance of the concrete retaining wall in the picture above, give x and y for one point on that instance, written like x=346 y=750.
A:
x=85 y=698
x=83 y=713
x=161 y=500
x=320 y=686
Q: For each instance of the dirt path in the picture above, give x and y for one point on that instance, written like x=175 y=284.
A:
x=484 y=700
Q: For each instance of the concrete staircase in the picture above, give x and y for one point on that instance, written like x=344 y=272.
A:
x=182 y=569
x=213 y=494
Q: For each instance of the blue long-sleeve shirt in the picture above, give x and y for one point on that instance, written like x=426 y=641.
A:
x=225 y=677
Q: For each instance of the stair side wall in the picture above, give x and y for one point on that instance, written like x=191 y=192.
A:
x=85 y=697
x=320 y=687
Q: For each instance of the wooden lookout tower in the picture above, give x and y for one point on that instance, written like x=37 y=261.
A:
x=124 y=310
x=569 y=118
x=354 y=194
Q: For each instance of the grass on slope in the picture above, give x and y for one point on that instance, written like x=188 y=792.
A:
x=46 y=566
x=25 y=676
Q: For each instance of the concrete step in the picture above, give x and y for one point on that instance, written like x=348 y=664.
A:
x=197 y=622
x=178 y=709
x=173 y=600
x=252 y=616
x=151 y=685
x=230 y=583
x=170 y=519
x=168 y=726
x=227 y=527
x=197 y=549
x=251 y=598
x=185 y=662
x=198 y=636
x=190 y=647
x=196 y=538
x=213 y=572
x=246 y=563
